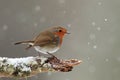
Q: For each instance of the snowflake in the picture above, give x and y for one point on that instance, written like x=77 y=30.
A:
x=5 y=27
x=37 y=8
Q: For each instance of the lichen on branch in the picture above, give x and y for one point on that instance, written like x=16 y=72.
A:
x=29 y=66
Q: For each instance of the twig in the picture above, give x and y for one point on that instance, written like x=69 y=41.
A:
x=29 y=66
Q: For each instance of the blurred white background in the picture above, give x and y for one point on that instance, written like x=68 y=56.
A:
x=94 y=38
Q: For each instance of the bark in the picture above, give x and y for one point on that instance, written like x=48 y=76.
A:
x=29 y=66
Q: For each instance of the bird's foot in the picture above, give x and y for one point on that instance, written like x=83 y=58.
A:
x=51 y=55
x=54 y=57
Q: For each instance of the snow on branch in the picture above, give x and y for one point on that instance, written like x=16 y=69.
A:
x=29 y=66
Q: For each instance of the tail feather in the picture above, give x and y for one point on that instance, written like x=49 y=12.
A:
x=23 y=42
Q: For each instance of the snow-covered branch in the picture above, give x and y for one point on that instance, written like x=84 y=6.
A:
x=29 y=66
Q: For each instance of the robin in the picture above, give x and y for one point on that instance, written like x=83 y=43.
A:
x=48 y=41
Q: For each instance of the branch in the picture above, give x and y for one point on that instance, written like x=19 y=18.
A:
x=29 y=66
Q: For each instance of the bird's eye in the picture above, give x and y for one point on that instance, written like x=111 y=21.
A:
x=60 y=30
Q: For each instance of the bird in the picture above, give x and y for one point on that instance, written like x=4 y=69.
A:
x=48 y=41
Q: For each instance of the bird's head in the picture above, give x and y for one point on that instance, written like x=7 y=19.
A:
x=60 y=31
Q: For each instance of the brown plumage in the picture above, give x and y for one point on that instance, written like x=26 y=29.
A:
x=48 y=41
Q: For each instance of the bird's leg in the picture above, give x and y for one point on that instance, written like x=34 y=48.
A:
x=52 y=55
x=53 y=58
x=48 y=59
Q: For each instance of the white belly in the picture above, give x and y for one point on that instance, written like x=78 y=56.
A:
x=45 y=50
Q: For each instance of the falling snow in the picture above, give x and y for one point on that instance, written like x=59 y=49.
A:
x=105 y=20
x=106 y=59
x=93 y=24
x=99 y=3
x=5 y=27
x=88 y=43
x=37 y=8
x=69 y=25
x=98 y=28
x=95 y=46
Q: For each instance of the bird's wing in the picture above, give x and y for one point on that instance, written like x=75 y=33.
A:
x=42 y=41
